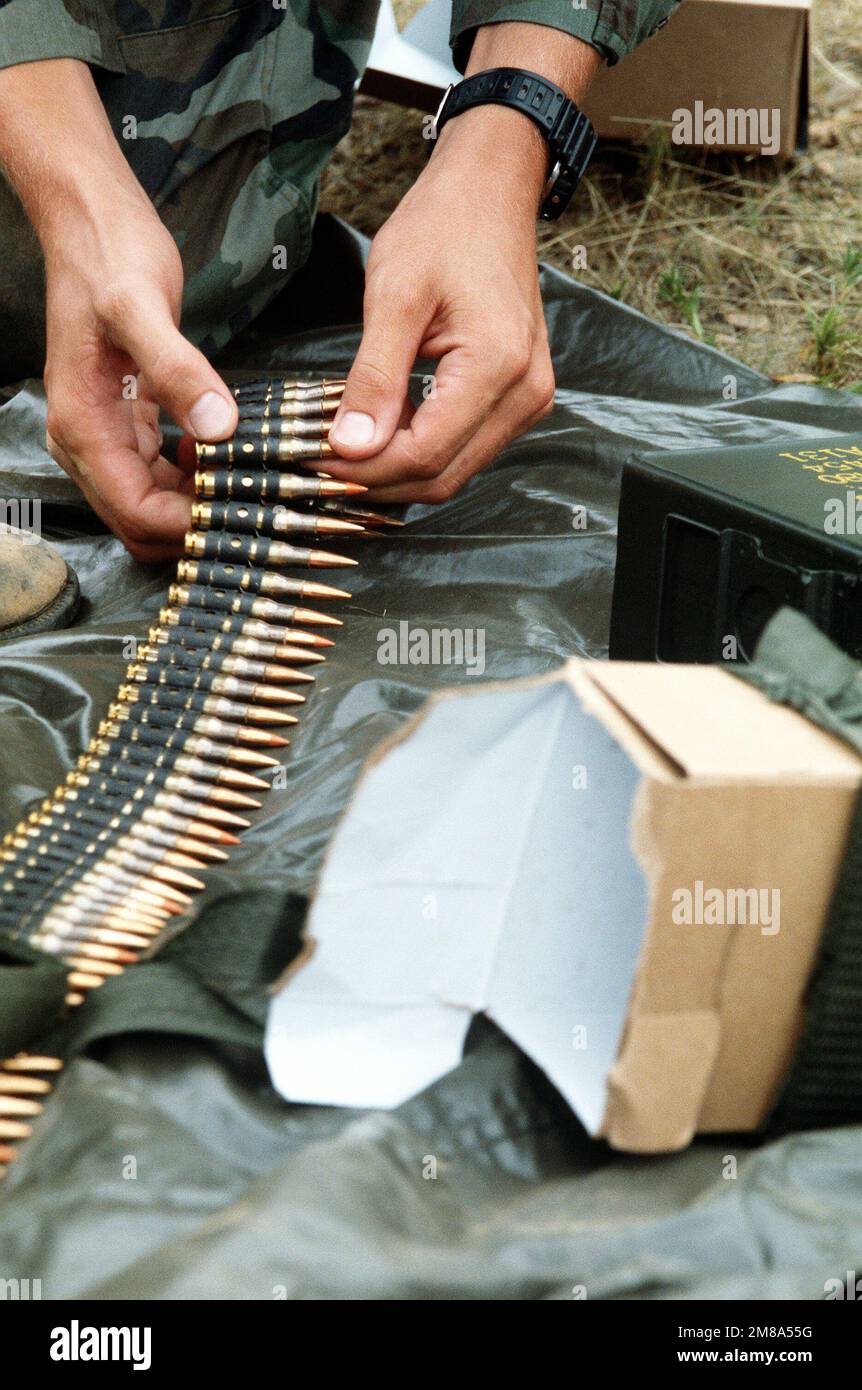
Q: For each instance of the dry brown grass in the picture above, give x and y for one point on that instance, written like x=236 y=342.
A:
x=754 y=256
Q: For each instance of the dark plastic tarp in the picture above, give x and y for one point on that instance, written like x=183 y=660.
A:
x=165 y=1166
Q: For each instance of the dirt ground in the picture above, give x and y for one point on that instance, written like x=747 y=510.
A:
x=762 y=259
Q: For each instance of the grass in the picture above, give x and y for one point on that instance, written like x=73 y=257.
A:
x=671 y=288
x=760 y=258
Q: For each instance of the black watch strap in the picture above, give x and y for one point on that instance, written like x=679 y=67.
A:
x=568 y=132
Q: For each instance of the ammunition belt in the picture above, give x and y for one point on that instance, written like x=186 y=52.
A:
x=165 y=787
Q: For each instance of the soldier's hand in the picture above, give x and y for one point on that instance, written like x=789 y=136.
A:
x=452 y=276
x=114 y=284
x=114 y=355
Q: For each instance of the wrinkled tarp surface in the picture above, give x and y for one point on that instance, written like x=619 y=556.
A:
x=165 y=1166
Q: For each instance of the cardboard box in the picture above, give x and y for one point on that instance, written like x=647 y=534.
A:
x=740 y=54
x=711 y=542
x=627 y=867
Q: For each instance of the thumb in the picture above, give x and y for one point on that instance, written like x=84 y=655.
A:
x=376 y=389
x=176 y=374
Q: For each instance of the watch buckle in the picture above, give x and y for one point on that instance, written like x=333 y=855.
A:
x=552 y=179
x=439 y=110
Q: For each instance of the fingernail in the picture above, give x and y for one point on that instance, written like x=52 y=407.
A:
x=353 y=427
x=210 y=416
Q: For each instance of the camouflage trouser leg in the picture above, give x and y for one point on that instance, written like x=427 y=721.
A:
x=227 y=119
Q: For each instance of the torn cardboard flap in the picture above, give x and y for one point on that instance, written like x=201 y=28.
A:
x=710 y=727
x=626 y=867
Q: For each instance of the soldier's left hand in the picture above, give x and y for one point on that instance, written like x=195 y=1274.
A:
x=451 y=276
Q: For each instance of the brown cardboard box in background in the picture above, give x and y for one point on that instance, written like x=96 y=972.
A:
x=555 y=907
x=736 y=792
x=723 y=53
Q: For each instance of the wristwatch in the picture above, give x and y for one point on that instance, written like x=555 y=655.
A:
x=568 y=133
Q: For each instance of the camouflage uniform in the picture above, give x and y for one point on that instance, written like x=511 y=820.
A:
x=227 y=115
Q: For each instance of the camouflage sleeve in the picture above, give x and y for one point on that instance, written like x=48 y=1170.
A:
x=614 y=27
x=34 y=29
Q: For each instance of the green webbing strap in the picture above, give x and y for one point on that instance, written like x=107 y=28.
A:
x=824 y=1086
x=32 y=993
x=209 y=981
x=796 y=665
x=156 y=996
